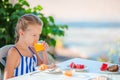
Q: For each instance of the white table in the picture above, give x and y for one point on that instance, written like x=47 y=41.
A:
x=93 y=70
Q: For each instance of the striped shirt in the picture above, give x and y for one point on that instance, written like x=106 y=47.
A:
x=27 y=64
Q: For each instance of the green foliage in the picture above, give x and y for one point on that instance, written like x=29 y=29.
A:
x=10 y=13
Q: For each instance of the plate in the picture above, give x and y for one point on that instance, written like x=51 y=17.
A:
x=108 y=72
x=52 y=71
x=37 y=68
x=79 y=70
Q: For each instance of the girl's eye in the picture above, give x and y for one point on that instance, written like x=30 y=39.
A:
x=34 y=35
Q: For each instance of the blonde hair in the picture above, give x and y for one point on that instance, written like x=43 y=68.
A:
x=24 y=21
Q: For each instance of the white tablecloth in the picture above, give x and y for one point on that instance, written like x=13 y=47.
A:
x=93 y=70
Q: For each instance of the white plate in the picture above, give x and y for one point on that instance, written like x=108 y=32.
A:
x=78 y=70
x=52 y=71
x=37 y=68
x=108 y=72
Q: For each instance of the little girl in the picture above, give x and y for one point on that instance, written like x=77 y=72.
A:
x=22 y=57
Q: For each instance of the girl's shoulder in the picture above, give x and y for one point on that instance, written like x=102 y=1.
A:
x=13 y=52
x=12 y=58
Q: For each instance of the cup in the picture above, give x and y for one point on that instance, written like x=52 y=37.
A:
x=39 y=46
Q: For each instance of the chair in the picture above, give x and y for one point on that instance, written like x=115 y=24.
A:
x=3 y=53
x=0 y=75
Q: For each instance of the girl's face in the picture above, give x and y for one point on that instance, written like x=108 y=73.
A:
x=31 y=34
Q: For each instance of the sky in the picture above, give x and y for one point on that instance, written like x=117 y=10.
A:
x=81 y=10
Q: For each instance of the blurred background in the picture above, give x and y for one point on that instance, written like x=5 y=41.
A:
x=93 y=28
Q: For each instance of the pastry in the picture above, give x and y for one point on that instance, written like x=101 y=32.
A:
x=113 y=68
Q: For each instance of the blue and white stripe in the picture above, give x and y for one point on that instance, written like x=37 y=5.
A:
x=26 y=65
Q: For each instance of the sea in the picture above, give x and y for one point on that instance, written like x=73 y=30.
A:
x=96 y=40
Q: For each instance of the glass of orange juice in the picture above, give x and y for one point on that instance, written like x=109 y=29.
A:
x=39 y=46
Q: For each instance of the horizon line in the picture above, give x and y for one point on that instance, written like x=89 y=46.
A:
x=91 y=24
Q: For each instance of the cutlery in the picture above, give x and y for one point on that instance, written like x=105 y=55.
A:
x=34 y=73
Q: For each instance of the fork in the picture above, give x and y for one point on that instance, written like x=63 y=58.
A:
x=34 y=73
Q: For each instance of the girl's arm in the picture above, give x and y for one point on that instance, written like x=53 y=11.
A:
x=39 y=61
x=45 y=57
x=44 y=53
x=11 y=63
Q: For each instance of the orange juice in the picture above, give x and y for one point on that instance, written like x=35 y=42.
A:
x=39 y=47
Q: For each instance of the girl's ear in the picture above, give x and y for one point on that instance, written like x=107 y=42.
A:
x=21 y=32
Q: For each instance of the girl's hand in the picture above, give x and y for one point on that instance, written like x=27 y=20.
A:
x=45 y=46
